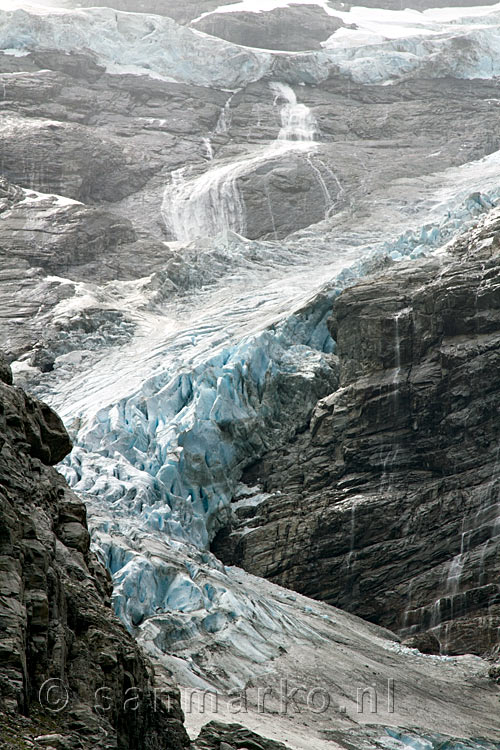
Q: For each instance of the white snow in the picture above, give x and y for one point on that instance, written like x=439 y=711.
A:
x=15 y=52
x=385 y=46
x=34 y=196
x=136 y=70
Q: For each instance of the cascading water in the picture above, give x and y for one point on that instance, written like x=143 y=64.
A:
x=224 y=121
x=482 y=526
x=297 y=121
x=211 y=203
x=206 y=206
x=388 y=459
x=352 y=538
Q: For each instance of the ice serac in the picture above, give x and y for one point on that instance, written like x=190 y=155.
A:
x=180 y=372
x=154 y=44
x=184 y=436
x=463 y=44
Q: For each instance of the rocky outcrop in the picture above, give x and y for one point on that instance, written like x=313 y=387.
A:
x=87 y=147
x=74 y=238
x=68 y=666
x=47 y=245
x=299 y=27
x=217 y=736
x=284 y=195
x=71 y=160
x=388 y=505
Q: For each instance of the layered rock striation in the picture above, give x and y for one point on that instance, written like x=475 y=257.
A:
x=67 y=666
x=388 y=505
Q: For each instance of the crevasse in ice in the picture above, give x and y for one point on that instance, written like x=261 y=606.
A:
x=163 y=462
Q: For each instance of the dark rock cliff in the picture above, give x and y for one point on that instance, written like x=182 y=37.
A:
x=388 y=506
x=294 y=28
x=218 y=736
x=56 y=622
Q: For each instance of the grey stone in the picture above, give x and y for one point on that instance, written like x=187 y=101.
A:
x=299 y=27
x=218 y=736
x=55 y=616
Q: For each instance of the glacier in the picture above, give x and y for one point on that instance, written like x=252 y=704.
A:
x=164 y=426
x=164 y=461
x=385 y=45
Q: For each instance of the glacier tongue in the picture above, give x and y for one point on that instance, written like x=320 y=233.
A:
x=181 y=440
x=164 y=427
x=161 y=462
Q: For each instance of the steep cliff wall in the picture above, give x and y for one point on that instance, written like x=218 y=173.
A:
x=56 y=622
x=388 y=506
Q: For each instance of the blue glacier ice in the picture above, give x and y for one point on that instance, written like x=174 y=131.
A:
x=406 y=740
x=154 y=44
x=163 y=462
x=465 y=47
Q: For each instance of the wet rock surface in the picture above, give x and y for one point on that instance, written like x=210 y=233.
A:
x=56 y=622
x=388 y=505
x=113 y=142
x=284 y=196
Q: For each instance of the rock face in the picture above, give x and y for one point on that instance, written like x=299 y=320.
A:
x=112 y=142
x=56 y=622
x=71 y=160
x=282 y=197
x=296 y=28
x=388 y=505
x=217 y=736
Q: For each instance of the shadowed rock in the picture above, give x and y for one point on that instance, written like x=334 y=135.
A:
x=299 y=27
x=56 y=621
x=219 y=736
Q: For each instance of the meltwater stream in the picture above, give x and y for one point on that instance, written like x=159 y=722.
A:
x=211 y=203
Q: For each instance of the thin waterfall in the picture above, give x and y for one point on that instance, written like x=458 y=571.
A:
x=397 y=354
x=352 y=536
x=224 y=121
x=389 y=460
x=297 y=121
x=204 y=207
x=211 y=204
x=209 y=152
x=452 y=602
x=324 y=188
